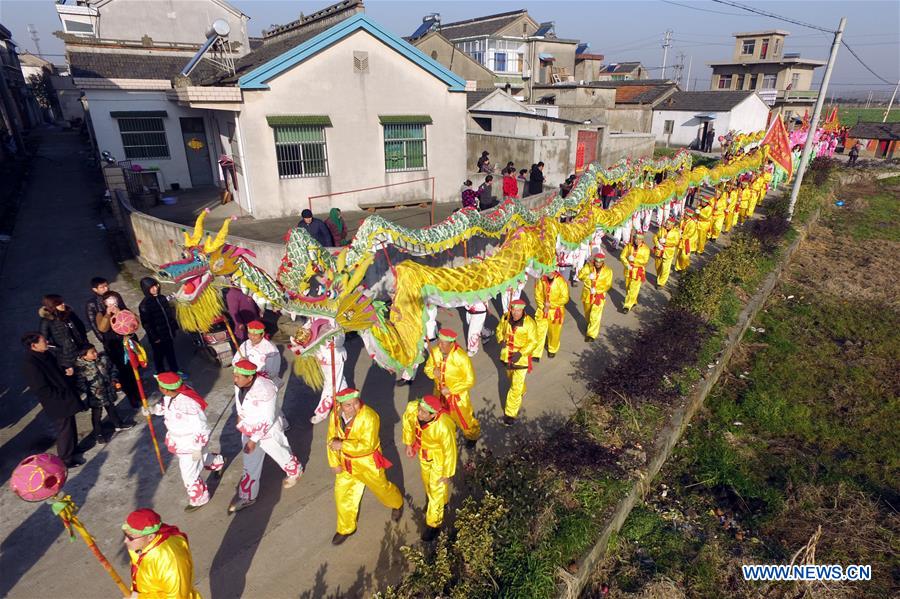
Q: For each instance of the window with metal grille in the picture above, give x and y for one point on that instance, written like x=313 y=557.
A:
x=300 y=151
x=405 y=147
x=668 y=127
x=143 y=138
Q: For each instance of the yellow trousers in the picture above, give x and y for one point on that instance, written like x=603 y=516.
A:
x=438 y=493
x=663 y=269
x=751 y=206
x=516 y=392
x=593 y=314
x=348 y=491
x=464 y=416
x=729 y=222
x=683 y=260
x=717 y=224
x=549 y=333
x=702 y=233
x=632 y=288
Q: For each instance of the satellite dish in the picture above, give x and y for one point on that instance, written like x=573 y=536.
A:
x=219 y=28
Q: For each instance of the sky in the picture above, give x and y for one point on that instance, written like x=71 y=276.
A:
x=620 y=30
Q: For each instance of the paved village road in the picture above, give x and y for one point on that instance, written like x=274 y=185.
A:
x=280 y=547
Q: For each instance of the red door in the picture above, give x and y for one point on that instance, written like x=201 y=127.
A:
x=586 y=150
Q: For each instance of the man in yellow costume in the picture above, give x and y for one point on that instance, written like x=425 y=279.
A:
x=720 y=203
x=596 y=277
x=688 y=241
x=449 y=366
x=635 y=257
x=758 y=186
x=744 y=194
x=429 y=433
x=704 y=223
x=731 y=207
x=551 y=294
x=517 y=336
x=161 y=562
x=354 y=454
x=665 y=244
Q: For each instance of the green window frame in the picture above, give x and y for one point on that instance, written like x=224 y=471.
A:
x=300 y=151
x=144 y=138
x=405 y=147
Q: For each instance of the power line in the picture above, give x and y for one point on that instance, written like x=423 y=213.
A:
x=773 y=15
x=856 y=56
x=716 y=12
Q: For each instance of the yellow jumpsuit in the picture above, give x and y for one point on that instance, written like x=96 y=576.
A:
x=688 y=243
x=759 y=191
x=456 y=373
x=362 y=465
x=521 y=339
x=635 y=261
x=595 y=285
x=718 y=216
x=164 y=569
x=731 y=210
x=665 y=244
x=435 y=443
x=554 y=295
x=704 y=223
x=744 y=195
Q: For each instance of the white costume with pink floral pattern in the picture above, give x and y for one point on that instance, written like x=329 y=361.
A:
x=187 y=434
x=258 y=422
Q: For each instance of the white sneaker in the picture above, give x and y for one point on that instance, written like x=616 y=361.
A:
x=317 y=418
x=472 y=354
x=290 y=481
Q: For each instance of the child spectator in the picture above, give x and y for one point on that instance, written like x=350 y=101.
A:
x=96 y=379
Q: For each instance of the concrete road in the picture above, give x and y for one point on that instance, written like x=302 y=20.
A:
x=279 y=547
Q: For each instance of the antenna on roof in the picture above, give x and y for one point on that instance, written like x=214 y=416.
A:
x=215 y=49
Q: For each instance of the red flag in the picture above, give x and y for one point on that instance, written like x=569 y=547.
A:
x=779 y=146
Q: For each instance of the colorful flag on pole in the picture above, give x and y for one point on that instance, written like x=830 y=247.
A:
x=779 y=146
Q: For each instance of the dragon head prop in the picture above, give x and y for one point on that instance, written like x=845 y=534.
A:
x=197 y=302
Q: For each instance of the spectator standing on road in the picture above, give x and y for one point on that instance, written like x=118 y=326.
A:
x=510 y=185
x=95 y=380
x=316 y=228
x=854 y=154
x=710 y=138
x=484 y=163
x=56 y=394
x=485 y=195
x=115 y=348
x=337 y=227
x=158 y=320
x=536 y=179
x=469 y=197
x=63 y=330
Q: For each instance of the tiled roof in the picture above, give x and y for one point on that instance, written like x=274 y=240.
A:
x=267 y=51
x=473 y=98
x=481 y=25
x=120 y=65
x=876 y=131
x=622 y=67
x=707 y=101
x=641 y=94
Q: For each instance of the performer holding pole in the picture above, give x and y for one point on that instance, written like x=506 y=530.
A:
x=161 y=562
x=450 y=368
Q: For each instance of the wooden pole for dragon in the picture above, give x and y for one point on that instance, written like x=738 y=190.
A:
x=237 y=346
x=65 y=508
x=133 y=360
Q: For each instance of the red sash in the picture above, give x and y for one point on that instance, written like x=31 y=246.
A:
x=640 y=274
x=453 y=404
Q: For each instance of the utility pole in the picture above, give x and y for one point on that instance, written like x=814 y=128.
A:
x=687 y=80
x=891 y=103
x=678 y=68
x=869 y=98
x=667 y=42
x=32 y=30
x=814 y=121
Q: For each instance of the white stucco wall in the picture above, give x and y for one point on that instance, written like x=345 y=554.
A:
x=174 y=169
x=686 y=126
x=750 y=115
x=184 y=21
x=326 y=84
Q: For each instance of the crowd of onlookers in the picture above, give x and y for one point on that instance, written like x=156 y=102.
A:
x=515 y=184
x=69 y=374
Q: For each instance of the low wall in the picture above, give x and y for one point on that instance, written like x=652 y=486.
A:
x=523 y=151
x=616 y=146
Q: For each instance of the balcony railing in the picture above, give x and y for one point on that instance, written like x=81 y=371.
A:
x=799 y=96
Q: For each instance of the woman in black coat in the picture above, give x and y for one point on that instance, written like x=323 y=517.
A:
x=158 y=320
x=536 y=179
x=63 y=330
x=55 y=392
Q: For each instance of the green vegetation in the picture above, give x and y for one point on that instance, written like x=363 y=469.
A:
x=850 y=114
x=801 y=434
